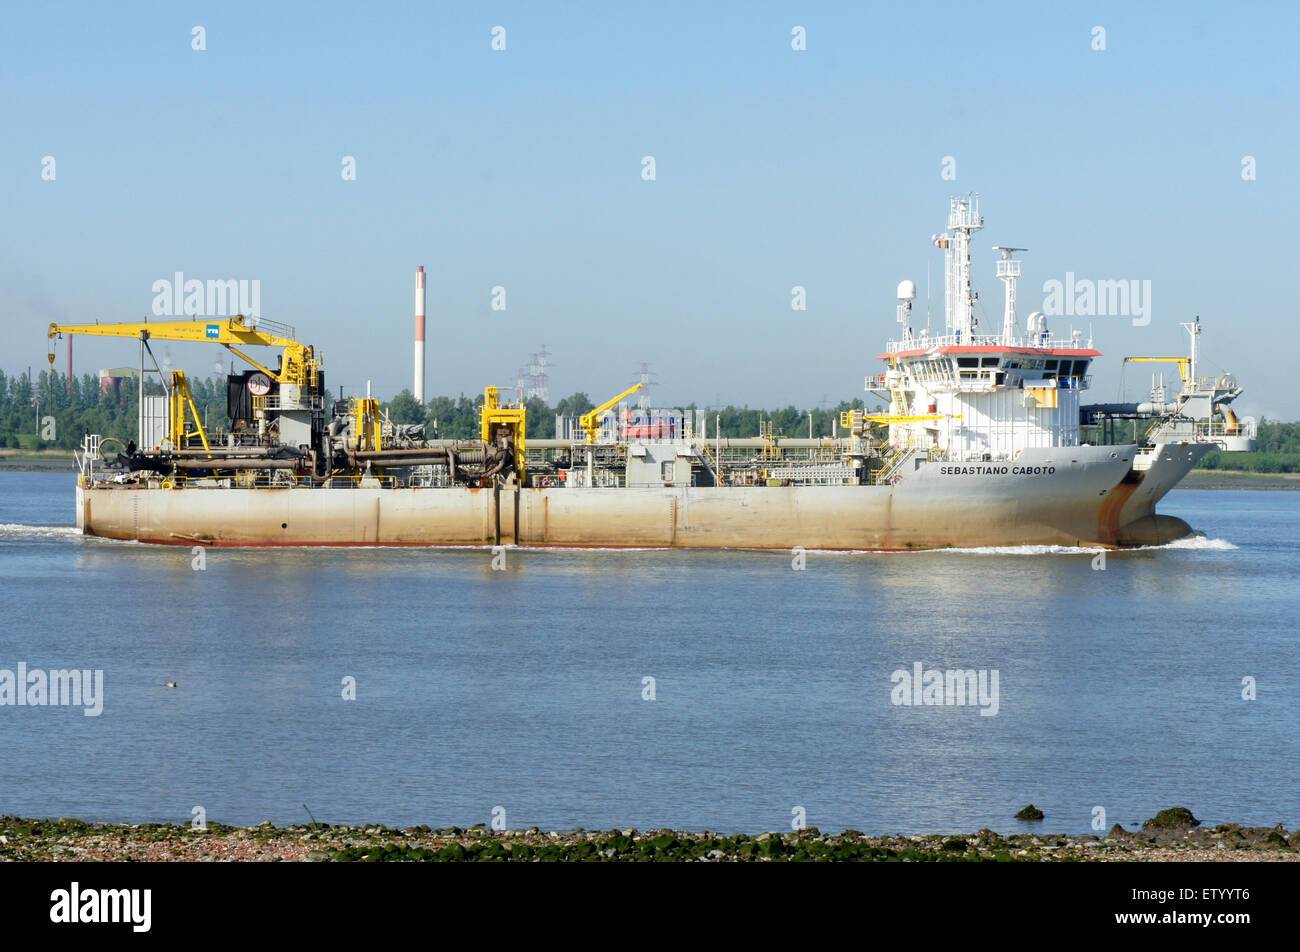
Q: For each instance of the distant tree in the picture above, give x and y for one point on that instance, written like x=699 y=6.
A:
x=574 y=405
x=404 y=409
x=541 y=419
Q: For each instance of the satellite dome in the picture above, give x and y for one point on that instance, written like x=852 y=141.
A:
x=906 y=291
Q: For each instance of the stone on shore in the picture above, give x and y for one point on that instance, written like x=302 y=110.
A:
x=1174 y=818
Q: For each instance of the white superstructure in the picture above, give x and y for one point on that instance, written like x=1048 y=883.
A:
x=981 y=396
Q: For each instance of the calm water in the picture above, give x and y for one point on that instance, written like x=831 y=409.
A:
x=523 y=689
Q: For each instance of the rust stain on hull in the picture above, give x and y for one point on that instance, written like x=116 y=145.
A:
x=1108 y=519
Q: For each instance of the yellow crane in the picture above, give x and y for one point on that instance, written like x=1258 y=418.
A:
x=589 y=421
x=299 y=365
x=1184 y=364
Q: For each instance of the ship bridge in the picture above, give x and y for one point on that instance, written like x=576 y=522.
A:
x=988 y=396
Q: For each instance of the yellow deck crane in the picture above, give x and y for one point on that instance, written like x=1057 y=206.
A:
x=1184 y=364
x=299 y=366
x=589 y=422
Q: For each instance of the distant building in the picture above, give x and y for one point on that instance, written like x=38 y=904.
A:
x=110 y=380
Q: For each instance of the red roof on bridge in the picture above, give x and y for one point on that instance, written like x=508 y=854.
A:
x=973 y=349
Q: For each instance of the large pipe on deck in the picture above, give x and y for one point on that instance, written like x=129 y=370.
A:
x=1230 y=425
x=358 y=463
x=378 y=455
x=237 y=463
x=247 y=451
x=740 y=443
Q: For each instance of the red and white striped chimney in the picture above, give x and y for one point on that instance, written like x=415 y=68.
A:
x=419 y=335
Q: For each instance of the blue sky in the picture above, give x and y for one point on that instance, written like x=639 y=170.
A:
x=522 y=169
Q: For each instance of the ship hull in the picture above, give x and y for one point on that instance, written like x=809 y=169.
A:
x=1057 y=496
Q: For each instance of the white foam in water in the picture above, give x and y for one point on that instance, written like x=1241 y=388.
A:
x=1197 y=541
x=1024 y=550
x=14 y=529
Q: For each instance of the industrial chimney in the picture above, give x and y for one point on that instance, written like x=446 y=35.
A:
x=419 y=336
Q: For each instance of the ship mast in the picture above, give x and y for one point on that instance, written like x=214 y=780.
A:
x=1009 y=271
x=963 y=221
x=1194 y=329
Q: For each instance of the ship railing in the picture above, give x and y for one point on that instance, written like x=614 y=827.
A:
x=241 y=479
x=283 y=479
x=970 y=456
x=276 y=401
x=222 y=440
x=89 y=453
x=985 y=340
x=266 y=326
x=1226 y=382
x=355 y=480
x=1217 y=429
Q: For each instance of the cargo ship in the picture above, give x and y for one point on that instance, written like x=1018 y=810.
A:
x=979 y=439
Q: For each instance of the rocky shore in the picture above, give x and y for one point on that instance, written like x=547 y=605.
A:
x=76 y=841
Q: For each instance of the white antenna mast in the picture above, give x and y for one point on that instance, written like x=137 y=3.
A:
x=1009 y=271
x=963 y=221
x=1193 y=328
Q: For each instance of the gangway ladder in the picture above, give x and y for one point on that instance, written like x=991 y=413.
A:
x=895 y=463
x=703 y=454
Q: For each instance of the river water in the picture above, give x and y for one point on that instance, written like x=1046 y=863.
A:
x=774 y=689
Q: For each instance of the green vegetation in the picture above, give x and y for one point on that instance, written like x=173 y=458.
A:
x=1277 y=451
x=1253 y=462
x=25 y=405
x=1177 y=837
